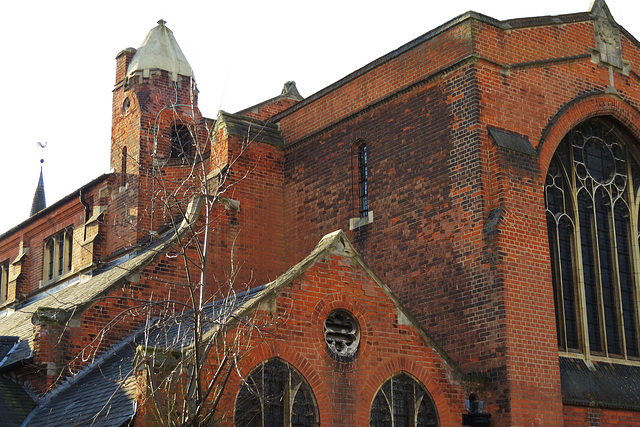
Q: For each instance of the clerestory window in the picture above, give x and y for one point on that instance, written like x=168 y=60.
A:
x=363 y=180
x=591 y=196
x=361 y=185
x=275 y=394
x=403 y=401
x=4 y=281
x=58 y=254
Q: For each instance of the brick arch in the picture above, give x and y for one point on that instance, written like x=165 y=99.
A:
x=447 y=413
x=579 y=110
x=280 y=350
x=165 y=119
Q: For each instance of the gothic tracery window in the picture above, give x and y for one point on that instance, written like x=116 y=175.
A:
x=402 y=401
x=275 y=394
x=591 y=194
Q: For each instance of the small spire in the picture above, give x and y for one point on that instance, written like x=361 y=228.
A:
x=162 y=22
x=39 y=201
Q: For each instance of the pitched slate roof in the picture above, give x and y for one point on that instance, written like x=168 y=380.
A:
x=15 y=402
x=104 y=393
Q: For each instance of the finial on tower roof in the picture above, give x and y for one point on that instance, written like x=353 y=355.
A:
x=162 y=22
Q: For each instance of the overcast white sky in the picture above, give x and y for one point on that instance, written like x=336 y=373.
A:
x=58 y=65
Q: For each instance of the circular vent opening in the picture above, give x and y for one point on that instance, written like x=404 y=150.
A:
x=342 y=333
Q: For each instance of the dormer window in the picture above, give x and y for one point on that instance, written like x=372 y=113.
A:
x=181 y=142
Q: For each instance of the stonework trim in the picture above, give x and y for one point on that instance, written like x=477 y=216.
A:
x=580 y=109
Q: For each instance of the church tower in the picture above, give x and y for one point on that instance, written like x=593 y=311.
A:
x=155 y=115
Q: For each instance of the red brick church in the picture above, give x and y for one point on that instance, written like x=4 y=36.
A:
x=447 y=236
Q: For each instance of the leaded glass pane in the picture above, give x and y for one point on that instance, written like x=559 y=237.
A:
x=591 y=166
x=402 y=401
x=274 y=395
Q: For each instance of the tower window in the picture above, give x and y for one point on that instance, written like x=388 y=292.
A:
x=402 y=401
x=275 y=394
x=592 y=218
x=58 y=254
x=181 y=142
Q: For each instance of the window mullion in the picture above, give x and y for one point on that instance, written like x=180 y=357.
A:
x=579 y=276
x=579 y=282
x=556 y=265
x=634 y=246
x=595 y=253
x=617 y=279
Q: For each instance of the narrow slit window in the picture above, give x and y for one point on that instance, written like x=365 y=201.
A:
x=123 y=172
x=363 y=180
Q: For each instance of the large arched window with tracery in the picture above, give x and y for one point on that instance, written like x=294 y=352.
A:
x=275 y=394
x=403 y=401
x=591 y=196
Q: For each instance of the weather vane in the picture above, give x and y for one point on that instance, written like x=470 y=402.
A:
x=42 y=145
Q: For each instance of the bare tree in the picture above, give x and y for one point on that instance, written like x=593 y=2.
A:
x=192 y=341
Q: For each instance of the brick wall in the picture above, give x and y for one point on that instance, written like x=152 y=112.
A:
x=437 y=181
x=343 y=390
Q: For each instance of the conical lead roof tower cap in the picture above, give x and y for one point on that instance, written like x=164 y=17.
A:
x=160 y=51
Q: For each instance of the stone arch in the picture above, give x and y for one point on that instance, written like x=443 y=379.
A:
x=579 y=110
x=289 y=354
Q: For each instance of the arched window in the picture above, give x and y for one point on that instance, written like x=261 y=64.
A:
x=181 y=142
x=591 y=196
x=275 y=394
x=403 y=401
